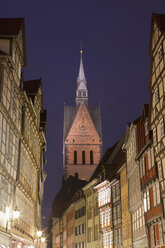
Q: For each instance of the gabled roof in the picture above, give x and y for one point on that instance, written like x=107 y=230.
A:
x=145 y=112
x=160 y=21
x=63 y=199
x=32 y=86
x=3 y=53
x=111 y=161
x=70 y=113
x=11 y=26
x=102 y=162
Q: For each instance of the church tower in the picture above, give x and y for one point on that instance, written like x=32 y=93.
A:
x=82 y=136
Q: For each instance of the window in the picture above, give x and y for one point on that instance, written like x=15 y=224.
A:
x=75 y=157
x=96 y=209
x=89 y=234
x=150 y=158
x=154 y=194
x=83 y=157
x=114 y=213
x=156 y=95
x=117 y=237
x=107 y=238
x=145 y=202
x=152 y=235
x=156 y=235
x=154 y=136
x=157 y=192
x=90 y=213
x=162 y=128
x=160 y=233
x=116 y=192
x=160 y=173
x=96 y=232
x=146 y=128
x=83 y=228
x=148 y=199
x=160 y=52
x=91 y=157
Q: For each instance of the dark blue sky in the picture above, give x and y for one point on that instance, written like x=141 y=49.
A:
x=115 y=35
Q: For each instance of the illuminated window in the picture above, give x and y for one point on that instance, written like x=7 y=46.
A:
x=145 y=202
x=148 y=199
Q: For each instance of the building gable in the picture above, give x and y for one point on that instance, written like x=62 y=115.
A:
x=83 y=127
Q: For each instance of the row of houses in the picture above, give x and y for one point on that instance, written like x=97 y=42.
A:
x=123 y=203
x=22 y=141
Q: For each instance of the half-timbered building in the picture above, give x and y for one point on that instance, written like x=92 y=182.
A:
x=22 y=141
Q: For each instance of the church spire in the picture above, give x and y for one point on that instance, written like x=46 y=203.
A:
x=81 y=92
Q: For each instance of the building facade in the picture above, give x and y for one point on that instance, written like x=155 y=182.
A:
x=92 y=215
x=22 y=141
x=82 y=137
x=150 y=187
x=132 y=146
x=126 y=217
x=80 y=220
x=105 y=211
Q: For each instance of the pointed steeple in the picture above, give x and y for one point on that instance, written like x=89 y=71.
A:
x=81 y=92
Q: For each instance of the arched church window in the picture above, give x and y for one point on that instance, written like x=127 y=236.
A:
x=75 y=157
x=91 y=157
x=83 y=157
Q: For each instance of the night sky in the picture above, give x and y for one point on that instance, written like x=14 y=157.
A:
x=115 y=36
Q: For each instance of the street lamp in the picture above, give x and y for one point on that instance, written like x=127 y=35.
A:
x=39 y=233
x=42 y=239
x=16 y=213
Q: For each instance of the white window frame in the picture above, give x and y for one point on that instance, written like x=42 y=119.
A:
x=160 y=171
x=162 y=128
x=154 y=136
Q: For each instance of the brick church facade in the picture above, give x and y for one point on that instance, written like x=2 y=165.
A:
x=82 y=137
